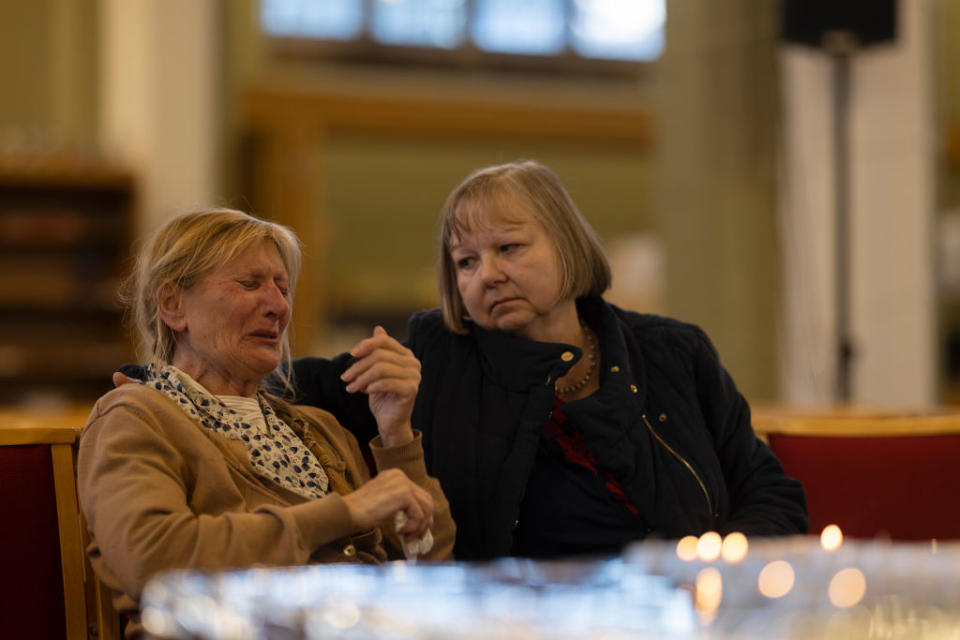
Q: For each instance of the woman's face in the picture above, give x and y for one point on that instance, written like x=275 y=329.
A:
x=509 y=275
x=233 y=321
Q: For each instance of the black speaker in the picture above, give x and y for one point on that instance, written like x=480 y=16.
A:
x=868 y=22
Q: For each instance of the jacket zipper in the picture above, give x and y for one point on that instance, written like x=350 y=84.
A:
x=689 y=467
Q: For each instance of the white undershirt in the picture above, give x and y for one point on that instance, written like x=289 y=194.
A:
x=248 y=409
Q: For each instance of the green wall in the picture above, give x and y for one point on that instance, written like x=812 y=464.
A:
x=383 y=200
x=48 y=72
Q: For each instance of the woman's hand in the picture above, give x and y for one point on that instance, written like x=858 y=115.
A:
x=376 y=503
x=120 y=379
x=389 y=373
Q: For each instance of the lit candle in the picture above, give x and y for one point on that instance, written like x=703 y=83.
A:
x=831 y=537
x=709 y=546
x=687 y=548
x=734 y=547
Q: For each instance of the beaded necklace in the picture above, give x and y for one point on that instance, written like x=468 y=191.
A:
x=592 y=355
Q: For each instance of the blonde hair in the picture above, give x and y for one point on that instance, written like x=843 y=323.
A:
x=183 y=251
x=495 y=193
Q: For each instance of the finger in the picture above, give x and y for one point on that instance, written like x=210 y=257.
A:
x=379 y=331
x=424 y=505
x=120 y=379
x=382 y=355
x=380 y=340
x=400 y=388
x=388 y=374
x=363 y=372
x=416 y=519
x=404 y=358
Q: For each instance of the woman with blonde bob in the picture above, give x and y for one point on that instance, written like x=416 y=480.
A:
x=201 y=465
x=557 y=423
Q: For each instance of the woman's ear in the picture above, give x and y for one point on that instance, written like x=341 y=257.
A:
x=170 y=306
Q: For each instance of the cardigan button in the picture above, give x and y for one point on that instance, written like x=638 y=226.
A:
x=615 y=369
x=662 y=417
x=349 y=551
x=566 y=356
x=516 y=523
x=633 y=388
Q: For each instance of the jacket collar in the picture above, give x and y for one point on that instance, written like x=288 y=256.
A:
x=518 y=363
x=619 y=355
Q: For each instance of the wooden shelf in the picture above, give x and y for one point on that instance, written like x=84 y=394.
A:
x=65 y=229
x=63 y=170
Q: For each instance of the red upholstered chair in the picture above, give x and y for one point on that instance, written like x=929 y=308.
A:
x=47 y=589
x=31 y=592
x=874 y=475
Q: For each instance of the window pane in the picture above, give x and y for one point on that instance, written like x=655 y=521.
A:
x=426 y=23
x=326 y=20
x=627 y=29
x=519 y=26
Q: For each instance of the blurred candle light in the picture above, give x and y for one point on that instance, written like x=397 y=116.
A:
x=734 y=547
x=341 y=613
x=776 y=579
x=687 y=548
x=709 y=546
x=708 y=594
x=847 y=587
x=158 y=623
x=831 y=537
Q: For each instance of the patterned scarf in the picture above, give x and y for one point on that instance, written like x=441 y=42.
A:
x=275 y=451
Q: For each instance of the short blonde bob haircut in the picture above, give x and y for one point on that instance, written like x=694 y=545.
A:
x=183 y=251
x=502 y=193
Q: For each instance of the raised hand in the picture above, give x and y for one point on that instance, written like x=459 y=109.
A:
x=389 y=374
x=376 y=504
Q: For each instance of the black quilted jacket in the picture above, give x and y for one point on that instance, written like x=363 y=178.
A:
x=667 y=422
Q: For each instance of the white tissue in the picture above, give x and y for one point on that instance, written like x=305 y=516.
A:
x=412 y=548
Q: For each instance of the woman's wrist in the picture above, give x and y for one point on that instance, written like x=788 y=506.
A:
x=396 y=436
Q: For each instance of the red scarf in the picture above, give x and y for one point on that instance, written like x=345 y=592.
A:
x=575 y=450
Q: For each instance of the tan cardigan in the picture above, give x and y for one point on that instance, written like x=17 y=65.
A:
x=160 y=492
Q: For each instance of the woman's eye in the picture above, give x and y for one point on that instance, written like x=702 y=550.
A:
x=249 y=285
x=507 y=248
x=464 y=263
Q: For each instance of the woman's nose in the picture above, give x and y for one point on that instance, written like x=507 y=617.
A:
x=275 y=303
x=490 y=270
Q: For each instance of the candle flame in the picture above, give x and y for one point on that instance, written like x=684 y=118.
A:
x=831 y=537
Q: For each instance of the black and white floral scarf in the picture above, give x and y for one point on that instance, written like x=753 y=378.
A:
x=275 y=451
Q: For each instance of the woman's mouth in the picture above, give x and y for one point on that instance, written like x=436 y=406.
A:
x=502 y=301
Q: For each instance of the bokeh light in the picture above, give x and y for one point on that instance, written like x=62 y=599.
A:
x=776 y=579
x=687 y=548
x=709 y=546
x=709 y=590
x=831 y=537
x=734 y=547
x=847 y=587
